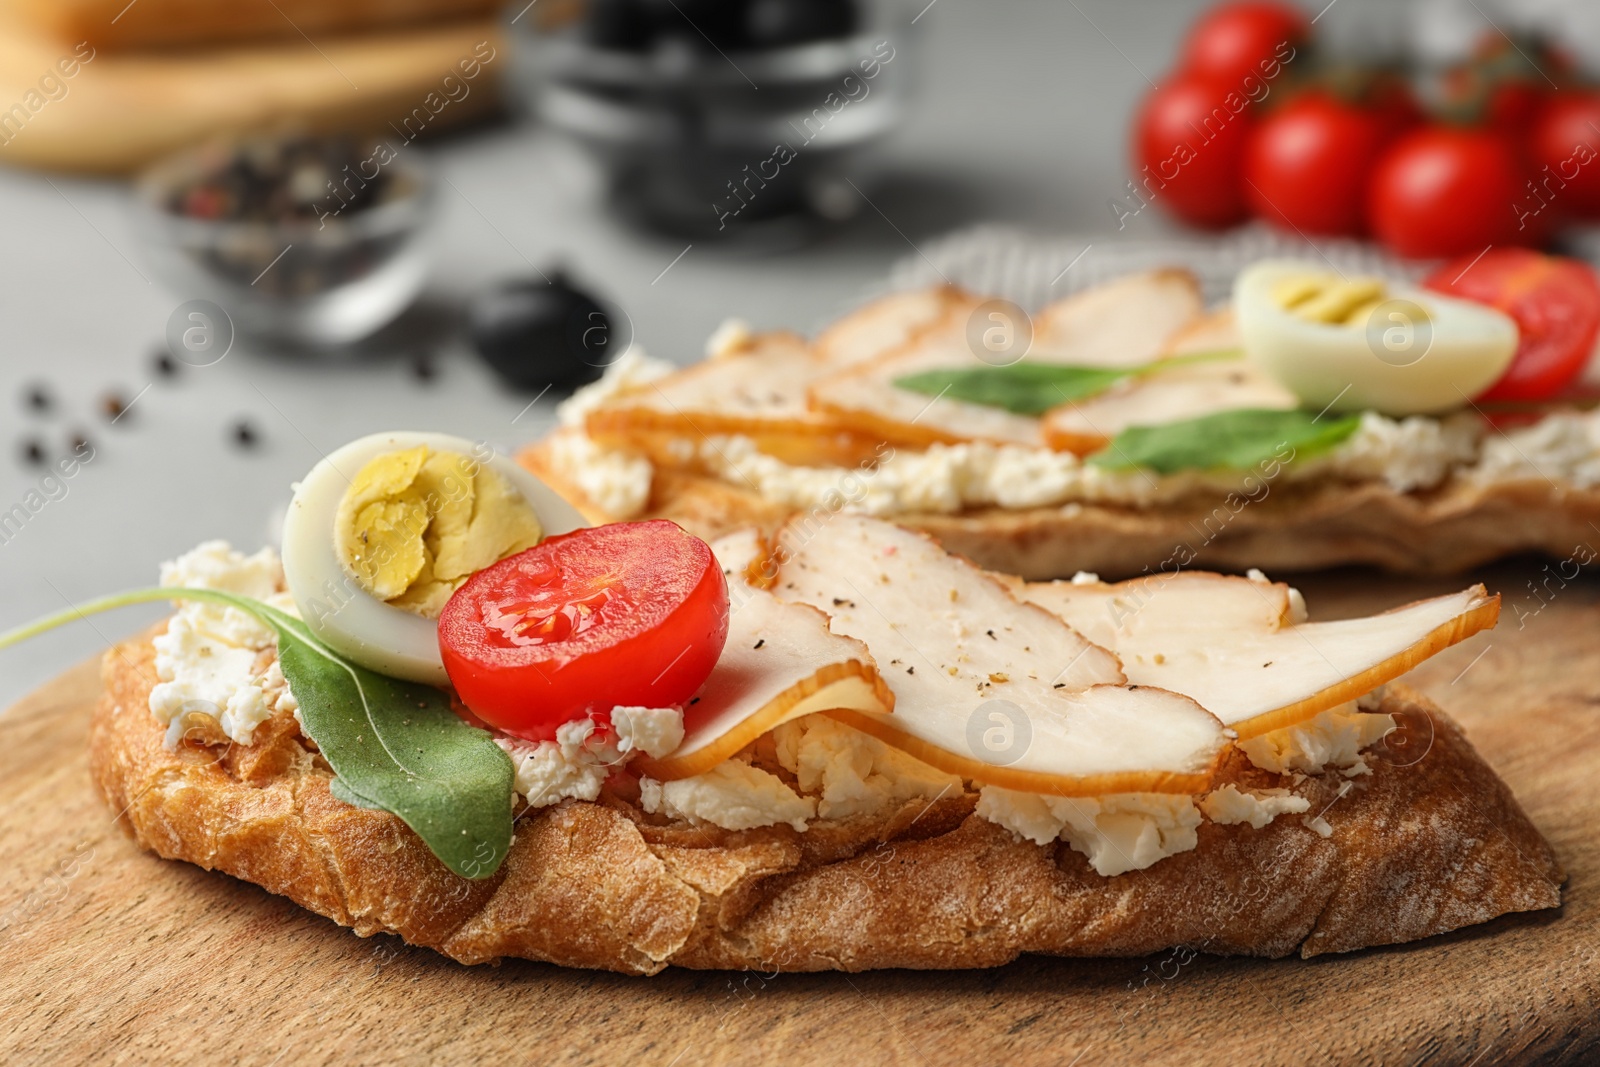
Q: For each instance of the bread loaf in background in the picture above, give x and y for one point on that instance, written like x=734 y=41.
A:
x=118 y=25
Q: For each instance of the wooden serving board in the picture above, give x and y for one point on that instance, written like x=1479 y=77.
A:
x=108 y=954
x=122 y=110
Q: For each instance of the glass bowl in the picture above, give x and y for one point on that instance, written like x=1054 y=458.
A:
x=302 y=282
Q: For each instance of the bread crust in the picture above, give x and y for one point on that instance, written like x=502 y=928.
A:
x=116 y=26
x=1415 y=850
x=1295 y=527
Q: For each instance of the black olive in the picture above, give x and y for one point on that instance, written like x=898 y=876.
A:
x=539 y=334
x=776 y=23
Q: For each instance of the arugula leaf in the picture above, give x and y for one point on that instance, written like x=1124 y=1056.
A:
x=1022 y=388
x=1226 y=440
x=1032 y=388
x=396 y=746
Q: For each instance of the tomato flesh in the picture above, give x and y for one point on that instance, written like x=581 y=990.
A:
x=633 y=613
x=1555 y=303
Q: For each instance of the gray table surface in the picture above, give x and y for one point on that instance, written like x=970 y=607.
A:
x=1020 y=115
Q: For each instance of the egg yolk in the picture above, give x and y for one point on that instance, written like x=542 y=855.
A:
x=1330 y=299
x=416 y=523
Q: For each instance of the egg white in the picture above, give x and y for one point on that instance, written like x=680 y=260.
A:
x=1333 y=366
x=338 y=611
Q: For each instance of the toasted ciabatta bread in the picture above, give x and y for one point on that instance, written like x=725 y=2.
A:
x=1415 y=850
x=1295 y=527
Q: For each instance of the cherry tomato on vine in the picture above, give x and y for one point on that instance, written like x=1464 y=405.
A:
x=1565 y=143
x=1189 y=148
x=631 y=614
x=1555 y=303
x=1239 y=40
x=1308 y=163
x=1448 y=190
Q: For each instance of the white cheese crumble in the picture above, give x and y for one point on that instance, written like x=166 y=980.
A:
x=653 y=731
x=1333 y=739
x=1416 y=452
x=1563 y=448
x=728 y=338
x=1322 y=826
x=617 y=480
x=733 y=795
x=578 y=762
x=1298 y=612
x=1410 y=454
x=942 y=480
x=1118 y=832
x=631 y=370
x=1229 y=805
x=215 y=660
x=840 y=771
x=852 y=773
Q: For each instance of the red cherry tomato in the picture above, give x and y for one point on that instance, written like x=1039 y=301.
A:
x=1565 y=143
x=1234 y=41
x=1514 y=105
x=635 y=613
x=1555 y=303
x=1308 y=163
x=1392 y=99
x=1189 y=142
x=1448 y=191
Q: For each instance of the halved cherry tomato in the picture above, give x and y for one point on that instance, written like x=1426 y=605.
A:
x=634 y=613
x=1555 y=303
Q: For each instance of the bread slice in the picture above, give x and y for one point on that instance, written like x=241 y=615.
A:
x=1415 y=850
x=1295 y=527
x=850 y=417
x=116 y=25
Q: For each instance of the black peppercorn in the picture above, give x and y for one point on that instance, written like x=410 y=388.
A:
x=38 y=398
